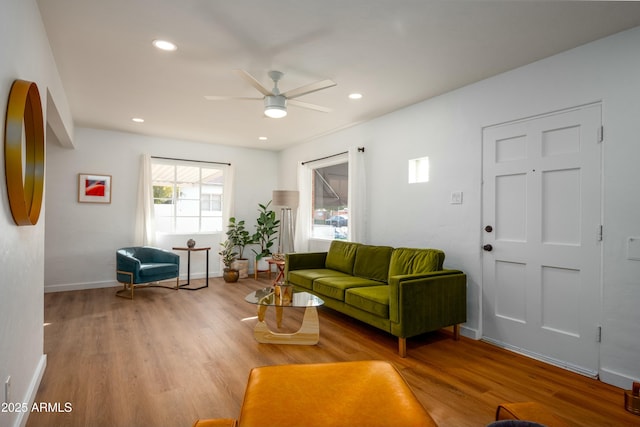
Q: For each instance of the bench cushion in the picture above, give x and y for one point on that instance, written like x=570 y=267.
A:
x=362 y=393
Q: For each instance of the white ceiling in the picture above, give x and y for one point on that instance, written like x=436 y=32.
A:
x=394 y=52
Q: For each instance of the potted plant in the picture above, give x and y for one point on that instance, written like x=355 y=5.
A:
x=228 y=256
x=266 y=230
x=239 y=237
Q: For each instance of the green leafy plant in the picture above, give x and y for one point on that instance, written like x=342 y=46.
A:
x=238 y=235
x=266 y=230
x=227 y=253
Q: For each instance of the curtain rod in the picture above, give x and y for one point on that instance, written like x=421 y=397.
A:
x=360 y=150
x=187 y=160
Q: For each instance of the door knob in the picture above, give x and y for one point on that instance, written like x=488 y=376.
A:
x=487 y=248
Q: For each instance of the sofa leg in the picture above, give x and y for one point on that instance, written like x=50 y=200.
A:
x=456 y=332
x=402 y=347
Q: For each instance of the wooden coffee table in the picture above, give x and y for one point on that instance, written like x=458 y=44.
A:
x=282 y=297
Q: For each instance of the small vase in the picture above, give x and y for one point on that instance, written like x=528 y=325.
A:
x=230 y=275
x=191 y=243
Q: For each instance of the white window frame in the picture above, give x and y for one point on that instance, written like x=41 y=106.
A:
x=335 y=160
x=175 y=163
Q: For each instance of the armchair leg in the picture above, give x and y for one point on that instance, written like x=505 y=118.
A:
x=456 y=332
x=402 y=347
x=122 y=292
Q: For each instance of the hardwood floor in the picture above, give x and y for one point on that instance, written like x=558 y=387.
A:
x=170 y=357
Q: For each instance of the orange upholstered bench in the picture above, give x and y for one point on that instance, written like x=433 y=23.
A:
x=529 y=411
x=363 y=393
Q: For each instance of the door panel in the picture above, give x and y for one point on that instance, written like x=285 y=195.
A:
x=542 y=197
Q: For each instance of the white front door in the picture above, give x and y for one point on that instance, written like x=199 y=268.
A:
x=542 y=237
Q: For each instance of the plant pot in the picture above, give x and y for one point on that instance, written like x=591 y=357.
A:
x=230 y=275
x=242 y=265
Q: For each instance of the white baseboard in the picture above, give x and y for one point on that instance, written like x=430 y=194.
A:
x=617 y=379
x=474 y=334
x=30 y=397
x=112 y=283
x=80 y=286
x=543 y=358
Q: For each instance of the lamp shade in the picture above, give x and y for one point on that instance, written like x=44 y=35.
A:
x=288 y=198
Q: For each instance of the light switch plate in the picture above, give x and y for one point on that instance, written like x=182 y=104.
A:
x=456 y=198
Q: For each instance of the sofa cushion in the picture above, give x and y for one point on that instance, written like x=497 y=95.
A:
x=372 y=299
x=305 y=278
x=341 y=256
x=414 y=261
x=372 y=262
x=335 y=287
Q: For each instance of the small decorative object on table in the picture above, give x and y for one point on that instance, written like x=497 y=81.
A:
x=191 y=243
x=277 y=257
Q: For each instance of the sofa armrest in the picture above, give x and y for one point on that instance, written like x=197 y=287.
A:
x=420 y=303
x=304 y=261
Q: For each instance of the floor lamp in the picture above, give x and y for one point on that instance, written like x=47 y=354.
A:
x=287 y=200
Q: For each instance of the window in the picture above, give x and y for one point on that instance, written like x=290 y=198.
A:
x=187 y=197
x=330 y=201
x=419 y=170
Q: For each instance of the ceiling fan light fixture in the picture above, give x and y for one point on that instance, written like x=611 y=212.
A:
x=164 y=45
x=275 y=106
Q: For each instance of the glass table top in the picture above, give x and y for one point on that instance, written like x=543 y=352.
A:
x=283 y=296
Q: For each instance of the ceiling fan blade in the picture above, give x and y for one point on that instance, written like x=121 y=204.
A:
x=253 y=82
x=310 y=88
x=225 y=98
x=308 y=106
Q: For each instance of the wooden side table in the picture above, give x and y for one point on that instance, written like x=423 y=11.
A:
x=279 y=269
x=270 y=261
x=189 y=250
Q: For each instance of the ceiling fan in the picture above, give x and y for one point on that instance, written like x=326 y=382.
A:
x=275 y=103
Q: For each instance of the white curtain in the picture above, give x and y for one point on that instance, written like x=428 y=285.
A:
x=227 y=207
x=357 y=196
x=145 y=233
x=303 y=218
x=227 y=198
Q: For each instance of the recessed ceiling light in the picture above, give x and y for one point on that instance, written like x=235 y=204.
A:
x=355 y=96
x=137 y=120
x=164 y=45
x=262 y=138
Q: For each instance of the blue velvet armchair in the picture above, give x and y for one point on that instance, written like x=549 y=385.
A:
x=143 y=265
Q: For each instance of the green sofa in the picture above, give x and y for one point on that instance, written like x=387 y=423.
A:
x=403 y=291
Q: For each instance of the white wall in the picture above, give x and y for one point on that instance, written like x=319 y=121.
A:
x=25 y=54
x=81 y=238
x=448 y=129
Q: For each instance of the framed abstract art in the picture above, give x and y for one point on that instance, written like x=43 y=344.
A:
x=94 y=188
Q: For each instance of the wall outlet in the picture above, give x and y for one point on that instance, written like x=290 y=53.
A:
x=7 y=390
